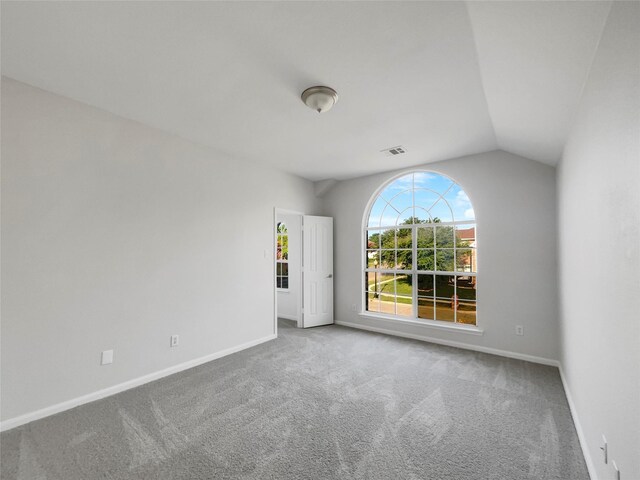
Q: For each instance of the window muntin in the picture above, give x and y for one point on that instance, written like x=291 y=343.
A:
x=420 y=253
x=282 y=257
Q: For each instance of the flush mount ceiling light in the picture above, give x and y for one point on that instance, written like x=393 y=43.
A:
x=321 y=99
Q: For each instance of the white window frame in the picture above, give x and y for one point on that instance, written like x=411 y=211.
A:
x=414 y=319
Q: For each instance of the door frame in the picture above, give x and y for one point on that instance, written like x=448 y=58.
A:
x=276 y=211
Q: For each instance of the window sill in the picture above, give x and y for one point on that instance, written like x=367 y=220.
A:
x=435 y=324
x=282 y=290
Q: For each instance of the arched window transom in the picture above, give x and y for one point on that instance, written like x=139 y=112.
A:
x=420 y=251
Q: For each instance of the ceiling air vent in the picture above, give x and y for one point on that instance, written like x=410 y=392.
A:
x=394 y=150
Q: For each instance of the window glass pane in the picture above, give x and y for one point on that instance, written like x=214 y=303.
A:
x=279 y=247
x=398 y=185
x=404 y=238
x=425 y=285
x=466 y=235
x=402 y=204
x=422 y=215
x=278 y=268
x=466 y=288
x=381 y=282
x=285 y=269
x=372 y=302
x=466 y=260
x=388 y=259
x=426 y=260
x=425 y=199
x=388 y=238
x=384 y=283
x=445 y=310
x=369 y=278
x=387 y=304
x=373 y=259
x=404 y=259
x=467 y=313
x=404 y=295
x=389 y=216
x=426 y=308
x=285 y=282
x=375 y=216
x=444 y=286
x=406 y=217
x=444 y=260
x=404 y=307
x=444 y=236
x=425 y=237
x=441 y=211
x=404 y=287
x=373 y=239
x=432 y=181
x=279 y=282
x=459 y=203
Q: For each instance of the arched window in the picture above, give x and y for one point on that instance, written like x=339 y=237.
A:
x=420 y=250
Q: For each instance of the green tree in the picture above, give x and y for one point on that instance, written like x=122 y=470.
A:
x=435 y=246
x=282 y=252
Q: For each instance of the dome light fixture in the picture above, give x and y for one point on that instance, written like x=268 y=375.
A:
x=320 y=99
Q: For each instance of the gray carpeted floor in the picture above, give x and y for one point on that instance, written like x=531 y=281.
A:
x=324 y=403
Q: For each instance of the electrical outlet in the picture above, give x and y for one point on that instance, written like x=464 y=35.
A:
x=107 y=357
x=519 y=330
x=175 y=340
x=605 y=449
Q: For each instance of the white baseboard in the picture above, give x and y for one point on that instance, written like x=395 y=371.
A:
x=106 y=392
x=449 y=343
x=576 y=421
x=288 y=317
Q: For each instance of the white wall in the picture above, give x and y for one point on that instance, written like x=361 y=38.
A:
x=289 y=301
x=599 y=223
x=116 y=236
x=514 y=200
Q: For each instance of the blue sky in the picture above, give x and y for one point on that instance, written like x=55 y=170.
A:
x=435 y=195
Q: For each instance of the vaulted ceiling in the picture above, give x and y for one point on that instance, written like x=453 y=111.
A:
x=442 y=79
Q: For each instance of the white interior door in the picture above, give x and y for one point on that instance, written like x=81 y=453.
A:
x=317 y=271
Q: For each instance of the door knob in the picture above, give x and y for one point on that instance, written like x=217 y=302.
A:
x=330 y=275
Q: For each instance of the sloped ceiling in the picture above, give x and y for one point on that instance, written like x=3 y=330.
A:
x=443 y=79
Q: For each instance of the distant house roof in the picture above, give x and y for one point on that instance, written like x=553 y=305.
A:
x=468 y=234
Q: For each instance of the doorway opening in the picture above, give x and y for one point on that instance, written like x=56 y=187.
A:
x=288 y=266
x=303 y=269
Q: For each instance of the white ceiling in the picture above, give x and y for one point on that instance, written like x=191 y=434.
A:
x=443 y=79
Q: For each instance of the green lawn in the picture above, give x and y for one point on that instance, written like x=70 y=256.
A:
x=403 y=287
x=400 y=285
